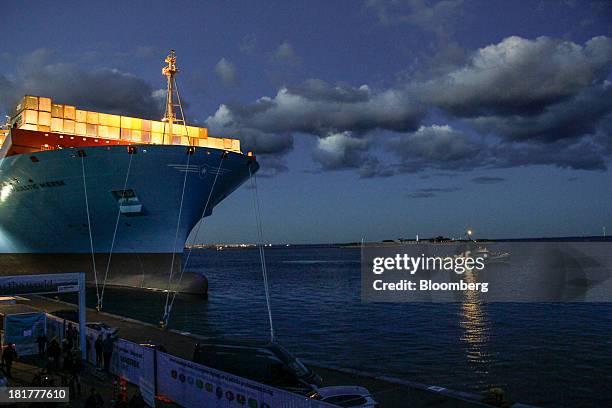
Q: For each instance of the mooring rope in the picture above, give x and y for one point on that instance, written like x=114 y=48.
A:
x=110 y=254
x=168 y=308
x=262 y=256
x=178 y=225
x=91 y=245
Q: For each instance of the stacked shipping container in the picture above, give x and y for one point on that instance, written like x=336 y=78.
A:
x=40 y=114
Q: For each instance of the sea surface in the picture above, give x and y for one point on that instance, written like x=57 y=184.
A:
x=549 y=354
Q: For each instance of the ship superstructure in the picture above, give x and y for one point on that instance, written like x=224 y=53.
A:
x=66 y=173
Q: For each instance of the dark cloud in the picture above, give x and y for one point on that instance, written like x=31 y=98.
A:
x=520 y=77
x=437 y=17
x=572 y=118
x=320 y=109
x=431 y=192
x=103 y=89
x=436 y=146
x=488 y=180
x=519 y=102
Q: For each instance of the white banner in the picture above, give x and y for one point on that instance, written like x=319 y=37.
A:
x=133 y=361
x=192 y=385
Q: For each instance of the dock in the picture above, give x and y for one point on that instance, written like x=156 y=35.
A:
x=389 y=392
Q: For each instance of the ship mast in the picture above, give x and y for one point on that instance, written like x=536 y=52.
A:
x=170 y=117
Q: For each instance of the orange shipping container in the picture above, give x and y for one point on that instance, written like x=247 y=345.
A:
x=125 y=133
x=193 y=131
x=44 y=104
x=92 y=130
x=44 y=128
x=28 y=102
x=114 y=132
x=81 y=116
x=126 y=122
x=203 y=133
x=57 y=111
x=157 y=127
x=28 y=126
x=136 y=135
x=80 y=128
x=92 y=118
x=30 y=117
x=68 y=126
x=114 y=121
x=102 y=131
x=103 y=119
x=44 y=118
x=69 y=112
x=57 y=125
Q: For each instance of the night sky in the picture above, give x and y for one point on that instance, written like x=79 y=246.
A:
x=376 y=119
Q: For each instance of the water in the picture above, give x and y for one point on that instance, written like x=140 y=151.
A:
x=544 y=354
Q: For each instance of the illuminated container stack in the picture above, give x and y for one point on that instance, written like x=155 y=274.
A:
x=41 y=114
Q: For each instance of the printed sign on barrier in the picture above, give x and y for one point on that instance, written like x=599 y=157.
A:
x=23 y=329
x=192 y=385
x=133 y=361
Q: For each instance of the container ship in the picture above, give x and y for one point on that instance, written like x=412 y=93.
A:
x=114 y=196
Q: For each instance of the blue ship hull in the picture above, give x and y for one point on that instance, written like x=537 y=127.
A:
x=43 y=216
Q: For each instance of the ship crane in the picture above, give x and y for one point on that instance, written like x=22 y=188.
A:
x=170 y=116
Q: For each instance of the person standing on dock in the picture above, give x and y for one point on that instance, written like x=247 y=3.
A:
x=54 y=352
x=98 y=346
x=42 y=345
x=8 y=356
x=107 y=349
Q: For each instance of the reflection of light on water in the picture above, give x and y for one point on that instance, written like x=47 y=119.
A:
x=5 y=192
x=476 y=327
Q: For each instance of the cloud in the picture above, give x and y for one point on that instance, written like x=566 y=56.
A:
x=437 y=146
x=317 y=108
x=226 y=72
x=285 y=55
x=103 y=89
x=488 y=180
x=340 y=151
x=431 y=192
x=438 y=17
x=520 y=76
x=519 y=102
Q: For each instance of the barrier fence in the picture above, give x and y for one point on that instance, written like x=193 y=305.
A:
x=184 y=382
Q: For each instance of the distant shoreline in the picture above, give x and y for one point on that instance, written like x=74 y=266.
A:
x=384 y=243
